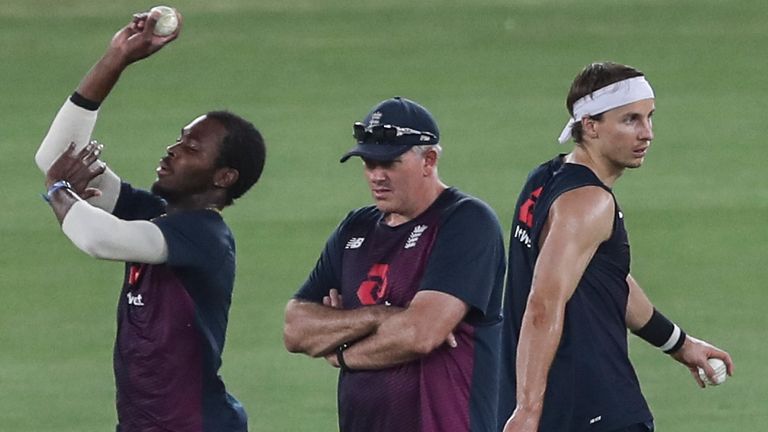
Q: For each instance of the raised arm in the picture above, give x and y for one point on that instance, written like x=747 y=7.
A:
x=76 y=119
x=578 y=222
x=132 y=43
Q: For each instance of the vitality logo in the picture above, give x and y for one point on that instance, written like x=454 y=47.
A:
x=525 y=217
x=526 y=210
x=134 y=300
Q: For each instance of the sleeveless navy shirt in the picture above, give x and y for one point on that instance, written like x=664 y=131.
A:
x=591 y=385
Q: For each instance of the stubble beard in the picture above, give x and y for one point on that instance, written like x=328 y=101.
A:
x=168 y=195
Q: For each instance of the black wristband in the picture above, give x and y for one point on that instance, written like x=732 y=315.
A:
x=84 y=103
x=340 y=357
x=659 y=331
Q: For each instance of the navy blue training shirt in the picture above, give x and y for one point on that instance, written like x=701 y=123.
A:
x=456 y=247
x=171 y=325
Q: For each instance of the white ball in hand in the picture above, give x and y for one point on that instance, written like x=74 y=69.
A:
x=167 y=22
x=720 y=372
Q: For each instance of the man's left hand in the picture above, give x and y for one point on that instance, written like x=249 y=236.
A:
x=694 y=354
x=78 y=168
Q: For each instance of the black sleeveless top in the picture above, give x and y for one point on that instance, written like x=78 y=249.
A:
x=592 y=385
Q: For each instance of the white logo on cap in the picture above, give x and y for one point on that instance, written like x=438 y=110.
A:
x=375 y=119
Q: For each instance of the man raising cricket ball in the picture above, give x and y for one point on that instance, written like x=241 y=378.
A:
x=179 y=253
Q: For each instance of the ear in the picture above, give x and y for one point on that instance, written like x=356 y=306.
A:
x=225 y=177
x=430 y=162
x=589 y=127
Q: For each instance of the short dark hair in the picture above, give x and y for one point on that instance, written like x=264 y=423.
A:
x=594 y=77
x=242 y=149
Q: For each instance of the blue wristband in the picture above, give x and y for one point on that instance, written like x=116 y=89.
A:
x=61 y=184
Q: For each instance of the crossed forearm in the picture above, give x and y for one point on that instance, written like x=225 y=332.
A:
x=317 y=330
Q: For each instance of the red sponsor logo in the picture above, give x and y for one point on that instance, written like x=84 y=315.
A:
x=526 y=210
x=134 y=274
x=373 y=290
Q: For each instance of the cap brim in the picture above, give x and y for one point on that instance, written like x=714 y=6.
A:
x=377 y=152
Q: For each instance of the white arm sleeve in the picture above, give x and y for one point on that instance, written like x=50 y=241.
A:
x=75 y=124
x=104 y=236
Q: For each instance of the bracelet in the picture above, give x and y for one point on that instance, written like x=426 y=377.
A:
x=662 y=333
x=61 y=184
x=340 y=357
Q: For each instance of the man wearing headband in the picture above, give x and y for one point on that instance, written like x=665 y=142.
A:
x=406 y=296
x=570 y=298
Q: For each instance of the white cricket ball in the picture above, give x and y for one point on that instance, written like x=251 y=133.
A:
x=167 y=22
x=720 y=372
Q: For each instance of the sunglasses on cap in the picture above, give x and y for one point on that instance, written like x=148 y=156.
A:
x=387 y=132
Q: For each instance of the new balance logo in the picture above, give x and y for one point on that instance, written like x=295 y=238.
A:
x=135 y=300
x=354 y=243
x=418 y=230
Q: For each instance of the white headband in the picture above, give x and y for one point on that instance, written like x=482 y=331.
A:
x=607 y=98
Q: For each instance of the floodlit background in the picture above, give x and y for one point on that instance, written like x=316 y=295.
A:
x=495 y=74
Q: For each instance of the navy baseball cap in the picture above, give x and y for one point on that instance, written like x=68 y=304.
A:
x=392 y=128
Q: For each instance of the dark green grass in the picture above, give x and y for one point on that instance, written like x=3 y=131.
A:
x=494 y=73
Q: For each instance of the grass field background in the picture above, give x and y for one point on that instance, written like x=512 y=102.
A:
x=495 y=74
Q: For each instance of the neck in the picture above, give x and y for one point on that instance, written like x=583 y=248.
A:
x=194 y=202
x=421 y=203
x=607 y=172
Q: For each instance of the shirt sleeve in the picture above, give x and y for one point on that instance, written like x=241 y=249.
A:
x=467 y=259
x=104 y=236
x=327 y=271
x=137 y=204
x=196 y=238
x=75 y=123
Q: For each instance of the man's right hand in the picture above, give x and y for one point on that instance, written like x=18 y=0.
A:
x=132 y=43
x=137 y=40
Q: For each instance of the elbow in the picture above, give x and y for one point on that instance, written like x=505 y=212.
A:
x=422 y=341
x=41 y=162
x=290 y=339
x=295 y=344
x=544 y=313
x=291 y=344
x=291 y=329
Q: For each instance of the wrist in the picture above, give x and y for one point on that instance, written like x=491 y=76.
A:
x=55 y=187
x=340 y=357
x=662 y=333
x=115 y=60
x=529 y=408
